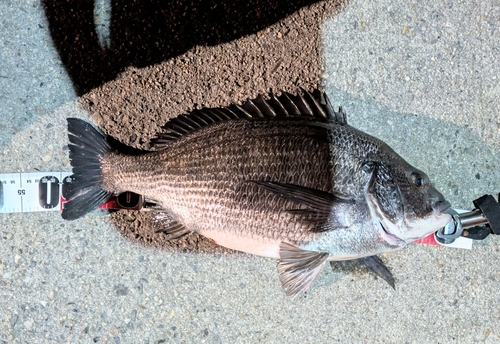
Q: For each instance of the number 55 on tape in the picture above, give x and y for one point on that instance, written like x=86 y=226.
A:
x=28 y=192
x=45 y=191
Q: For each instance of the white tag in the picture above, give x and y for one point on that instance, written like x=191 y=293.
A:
x=460 y=242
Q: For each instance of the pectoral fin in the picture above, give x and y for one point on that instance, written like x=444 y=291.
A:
x=298 y=268
x=318 y=206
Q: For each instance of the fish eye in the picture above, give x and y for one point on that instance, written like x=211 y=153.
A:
x=418 y=180
x=368 y=166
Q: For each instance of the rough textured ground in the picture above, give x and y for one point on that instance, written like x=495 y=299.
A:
x=281 y=57
x=422 y=76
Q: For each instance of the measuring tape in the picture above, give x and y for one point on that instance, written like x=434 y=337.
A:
x=28 y=192
x=45 y=191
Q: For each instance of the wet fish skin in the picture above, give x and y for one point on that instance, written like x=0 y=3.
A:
x=301 y=186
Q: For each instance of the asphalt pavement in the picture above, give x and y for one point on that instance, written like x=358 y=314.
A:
x=424 y=77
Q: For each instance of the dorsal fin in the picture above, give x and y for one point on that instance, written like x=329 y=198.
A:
x=315 y=106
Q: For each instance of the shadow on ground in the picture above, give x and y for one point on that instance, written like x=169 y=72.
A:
x=144 y=33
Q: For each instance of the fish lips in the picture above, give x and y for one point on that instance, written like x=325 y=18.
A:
x=440 y=206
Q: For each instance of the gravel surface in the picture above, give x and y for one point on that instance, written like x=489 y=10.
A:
x=422 y=77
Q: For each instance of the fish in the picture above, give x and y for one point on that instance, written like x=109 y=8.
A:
x=284 y=177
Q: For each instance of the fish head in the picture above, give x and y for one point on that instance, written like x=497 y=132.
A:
x=404 y=201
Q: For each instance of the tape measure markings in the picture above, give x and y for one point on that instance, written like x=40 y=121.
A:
x=46 y=191
x=43 y=191
x=30 y=192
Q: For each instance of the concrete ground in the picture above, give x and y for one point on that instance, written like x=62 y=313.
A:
x=422 y=77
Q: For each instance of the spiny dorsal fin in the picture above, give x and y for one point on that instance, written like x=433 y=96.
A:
x=314 y=106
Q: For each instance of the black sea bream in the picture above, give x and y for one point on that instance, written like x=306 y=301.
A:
x=285 y=178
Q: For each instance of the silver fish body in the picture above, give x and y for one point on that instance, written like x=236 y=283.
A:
x=285 y=178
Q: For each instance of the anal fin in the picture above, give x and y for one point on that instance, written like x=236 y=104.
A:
x=298 y=268
x=165 y=223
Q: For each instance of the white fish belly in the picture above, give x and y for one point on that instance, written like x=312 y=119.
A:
x=257 y=245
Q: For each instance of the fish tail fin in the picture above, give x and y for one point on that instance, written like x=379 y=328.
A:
x=87 y=150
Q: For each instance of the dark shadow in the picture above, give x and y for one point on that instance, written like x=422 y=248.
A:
x=146 y=32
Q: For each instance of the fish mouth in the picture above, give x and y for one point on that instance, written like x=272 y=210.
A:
x=440 y=206
x=391 y=239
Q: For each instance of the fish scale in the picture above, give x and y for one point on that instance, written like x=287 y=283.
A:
x=197 y=176
x=285 y=178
